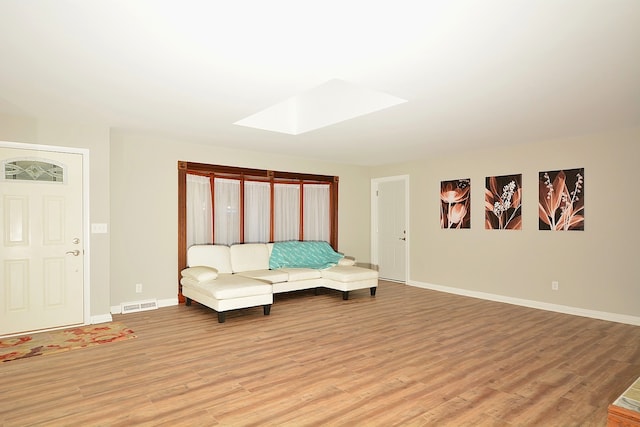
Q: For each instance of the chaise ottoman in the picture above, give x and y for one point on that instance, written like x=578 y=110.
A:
x=347 y=278
x=225 y=291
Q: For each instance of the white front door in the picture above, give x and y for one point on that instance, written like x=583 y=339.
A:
x=41 y=223
x=391 y=233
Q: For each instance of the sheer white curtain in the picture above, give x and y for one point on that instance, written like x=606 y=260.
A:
x=257 y=211
x=227 y=211
x=316 y=212
x=198 y=210
x=287 y=212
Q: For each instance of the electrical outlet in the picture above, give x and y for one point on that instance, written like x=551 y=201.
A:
x=554 y=285
x=138 y=288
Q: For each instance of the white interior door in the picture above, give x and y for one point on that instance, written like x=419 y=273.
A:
x=41 y=202
x=392 y=231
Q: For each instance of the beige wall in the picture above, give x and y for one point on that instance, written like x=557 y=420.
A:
x=596 y=269
x=144 y=207
x=134 y=190
x=96 y=139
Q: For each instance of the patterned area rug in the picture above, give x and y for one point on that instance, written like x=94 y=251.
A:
x=52 y=342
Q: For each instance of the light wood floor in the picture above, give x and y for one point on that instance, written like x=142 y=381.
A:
x=409 y=356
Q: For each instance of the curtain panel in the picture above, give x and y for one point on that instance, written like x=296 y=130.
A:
x=226 y=220
x=199 y=220
x=257 y=211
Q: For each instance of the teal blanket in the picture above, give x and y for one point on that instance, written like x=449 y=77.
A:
x=309 y=254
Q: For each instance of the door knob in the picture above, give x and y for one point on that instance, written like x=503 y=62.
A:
x=74 y=253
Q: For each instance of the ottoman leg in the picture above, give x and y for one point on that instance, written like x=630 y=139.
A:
x=345 y=295
x=221 y=317
x=266 y=309
x=373 y=291
x=187 y=302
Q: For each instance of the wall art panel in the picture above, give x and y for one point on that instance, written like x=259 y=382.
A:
x=561 y=200
x=455 y=203
x=503 y=202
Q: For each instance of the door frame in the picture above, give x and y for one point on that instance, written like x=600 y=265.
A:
x=374 y=219
x=84 y=152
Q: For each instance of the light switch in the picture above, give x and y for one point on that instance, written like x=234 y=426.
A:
x=98 y=228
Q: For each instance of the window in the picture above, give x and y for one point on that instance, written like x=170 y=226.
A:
x=199 y=195
x=286 y=211
x=32 y=170
x=257 y=211
x=316 y=212
x=226 y=211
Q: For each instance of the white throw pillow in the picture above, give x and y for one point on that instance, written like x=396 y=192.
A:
x=200 y=273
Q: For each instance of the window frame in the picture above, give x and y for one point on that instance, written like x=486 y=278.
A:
x=248 y=174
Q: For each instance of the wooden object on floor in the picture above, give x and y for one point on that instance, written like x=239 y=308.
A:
x=625 y=411
x=408 y=356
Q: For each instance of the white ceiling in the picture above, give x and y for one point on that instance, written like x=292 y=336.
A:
x=474 y=73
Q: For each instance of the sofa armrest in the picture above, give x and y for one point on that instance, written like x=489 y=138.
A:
x=200 y=273
x=346 y=261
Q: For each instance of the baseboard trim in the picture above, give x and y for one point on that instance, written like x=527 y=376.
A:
x=117 y=309
x=565 y=309
x=101 y=318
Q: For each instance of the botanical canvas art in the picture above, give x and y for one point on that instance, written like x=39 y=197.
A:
x=503 y=202
x=455 y=203
x=561 y=200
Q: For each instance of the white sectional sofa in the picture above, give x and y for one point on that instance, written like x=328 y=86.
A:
x=247 y=275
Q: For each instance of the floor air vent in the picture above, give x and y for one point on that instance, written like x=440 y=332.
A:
x=132 y=307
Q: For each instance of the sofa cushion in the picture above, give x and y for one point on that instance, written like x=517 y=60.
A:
x=228 y=286
x=306 y=254
x=200 y=273
x=216 y=256
x=349 y=274
x=249 y=257
x=271 y=276
x=296 y=274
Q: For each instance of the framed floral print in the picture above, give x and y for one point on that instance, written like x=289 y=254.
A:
x=561 y=200
x=503 y=202
x=455 y=203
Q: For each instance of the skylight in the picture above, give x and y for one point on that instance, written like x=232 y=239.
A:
x=331 y=102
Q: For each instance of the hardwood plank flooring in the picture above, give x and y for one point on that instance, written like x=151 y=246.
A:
x=409 y=356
